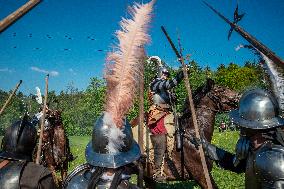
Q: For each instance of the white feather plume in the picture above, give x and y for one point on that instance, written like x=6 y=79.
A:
x=38 y=95
x=157 y=58
x=114 y=134
x=276 y=75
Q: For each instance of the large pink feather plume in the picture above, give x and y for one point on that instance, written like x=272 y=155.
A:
x=125 y=65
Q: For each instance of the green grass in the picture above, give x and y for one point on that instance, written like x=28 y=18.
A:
x=224 y=179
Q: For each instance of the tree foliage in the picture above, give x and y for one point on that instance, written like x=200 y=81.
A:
x=81 y=108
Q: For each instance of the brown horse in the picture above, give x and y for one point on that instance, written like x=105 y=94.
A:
x=56 y=152
x=209 y=100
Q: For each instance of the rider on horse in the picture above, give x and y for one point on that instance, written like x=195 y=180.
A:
x=160 y=117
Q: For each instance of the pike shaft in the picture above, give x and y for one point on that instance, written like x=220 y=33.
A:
x=42 y=122
x=187 y=85
x=10 y=97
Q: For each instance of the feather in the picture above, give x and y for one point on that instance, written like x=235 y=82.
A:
x=114 y=135
x=276 y=76
x=159 y=61
x=38 y=96
x=124 y=66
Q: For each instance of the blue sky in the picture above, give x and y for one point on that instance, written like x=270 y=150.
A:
x=70 y=38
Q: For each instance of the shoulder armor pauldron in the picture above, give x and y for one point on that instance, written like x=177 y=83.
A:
x=79 y=177
x=10 y=175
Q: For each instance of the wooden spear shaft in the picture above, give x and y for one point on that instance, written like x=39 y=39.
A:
x=17 y=14
x=193 y=114
x=10 y=97
x=42 y=121
x=141 y=126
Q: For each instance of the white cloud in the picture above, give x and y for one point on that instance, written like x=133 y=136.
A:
x=5 y=70
x=72 y=71
x=52 y=72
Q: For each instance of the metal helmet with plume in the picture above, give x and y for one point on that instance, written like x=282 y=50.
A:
x=112 y=143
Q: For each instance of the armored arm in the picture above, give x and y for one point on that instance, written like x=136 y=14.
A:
x=223 y=158
x=158 y=84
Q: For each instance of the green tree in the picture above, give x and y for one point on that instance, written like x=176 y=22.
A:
x=239 y=78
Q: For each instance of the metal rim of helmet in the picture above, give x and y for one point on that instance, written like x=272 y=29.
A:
x=96 y=152
x=112 y=160
x=258 y=109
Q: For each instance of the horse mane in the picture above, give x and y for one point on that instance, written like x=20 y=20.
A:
x=198 y=94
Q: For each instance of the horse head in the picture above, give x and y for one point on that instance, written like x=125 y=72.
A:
x=55 y=118
x=224 y=98
x=213 y=97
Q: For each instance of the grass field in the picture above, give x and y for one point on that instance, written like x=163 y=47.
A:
x=224 y=179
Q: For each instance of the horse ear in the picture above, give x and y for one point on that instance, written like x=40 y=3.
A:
x=210 y=83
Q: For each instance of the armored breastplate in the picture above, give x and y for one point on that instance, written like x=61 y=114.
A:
x=10 y=175
x=265 y=167
x=163 y=97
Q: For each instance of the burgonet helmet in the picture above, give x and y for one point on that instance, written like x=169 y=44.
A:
x=110 y=146
x=19 y=140
x=258 y=109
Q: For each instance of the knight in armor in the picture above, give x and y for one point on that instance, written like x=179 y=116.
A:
x=260 y=149
x=160 y=118
x=16 y=167
x=108 y=165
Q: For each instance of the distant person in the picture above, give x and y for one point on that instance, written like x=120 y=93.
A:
x=222 y=126
x=16 y=167
x=260 y=148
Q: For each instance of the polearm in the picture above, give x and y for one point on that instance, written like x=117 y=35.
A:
x=252 y=40
x=17 y=14
x=10 y=97
x=42 y=121
x=141 y=126
x=187 y=85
